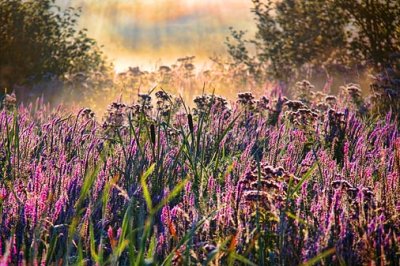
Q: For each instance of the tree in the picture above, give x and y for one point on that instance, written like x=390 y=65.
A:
x=294 y=36
x=38 y=40
x=373 y=30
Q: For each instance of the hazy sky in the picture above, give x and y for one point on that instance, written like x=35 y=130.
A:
x=142 y=32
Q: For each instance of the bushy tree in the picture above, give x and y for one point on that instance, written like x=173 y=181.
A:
x=376 y=42
x=39 y=40
x=373 y=30
x=294 y=36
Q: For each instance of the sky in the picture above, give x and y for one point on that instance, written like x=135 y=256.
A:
x=148 y=33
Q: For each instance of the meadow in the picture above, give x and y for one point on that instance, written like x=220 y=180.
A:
x=158 y=180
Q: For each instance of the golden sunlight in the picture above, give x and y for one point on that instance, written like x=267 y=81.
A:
x=149 y=33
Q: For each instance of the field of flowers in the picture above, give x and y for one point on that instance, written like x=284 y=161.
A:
x=262 y=180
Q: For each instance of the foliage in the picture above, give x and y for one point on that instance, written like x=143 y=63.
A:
x=39 y=41
x=385 y=89
x=295 y=36
x=292 y=35
x=373 y=30
x=264 y=180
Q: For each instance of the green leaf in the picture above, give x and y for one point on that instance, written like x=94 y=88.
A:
x=319 y=257
x=306 y=176
x=177 y=189
x=241 y=259
x=152 y=248
x=294 y=217
x=87 y=184
x=143 y=182
x=189 y=234
x=93 y=244
x=80 y=260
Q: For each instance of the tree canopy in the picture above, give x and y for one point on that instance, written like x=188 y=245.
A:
x=39 y=40
x=294 y=36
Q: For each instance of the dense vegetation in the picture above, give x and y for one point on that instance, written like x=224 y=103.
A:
x=267 y=181
x=337 y=40
x=38 y=41
x=296 y=36
x=287 y=174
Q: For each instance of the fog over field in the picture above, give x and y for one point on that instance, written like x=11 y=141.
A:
x=146 y=33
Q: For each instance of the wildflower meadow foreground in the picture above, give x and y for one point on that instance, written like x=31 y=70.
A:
x=262 y=181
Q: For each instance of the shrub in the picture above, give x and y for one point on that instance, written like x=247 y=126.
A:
x=38 y=41
x=336 y=38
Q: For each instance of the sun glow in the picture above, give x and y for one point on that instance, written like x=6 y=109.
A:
x=147 y=33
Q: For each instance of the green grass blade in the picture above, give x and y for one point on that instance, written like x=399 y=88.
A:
x=146 y=192
x=319 y=257
x=305 y=177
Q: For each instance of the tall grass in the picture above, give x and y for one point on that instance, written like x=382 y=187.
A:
x=252 y=182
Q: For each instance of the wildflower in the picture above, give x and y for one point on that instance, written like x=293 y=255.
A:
x=353 y=90
x=115 y=116
x=111 y=238
x=3 y=193
x=145 y=102
x=135 y=71
x=267 y=187
x=164 y=69
x=87 y=113
x=262 y=104
x=330 y=99
x=295 y=105
x=164 y=103
x=303 y=91
x=204 y=103
x=323 y=107
x=246 y=99
x=163 y=96
x=9 y=101
x=189 y=67
x=341 y=184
